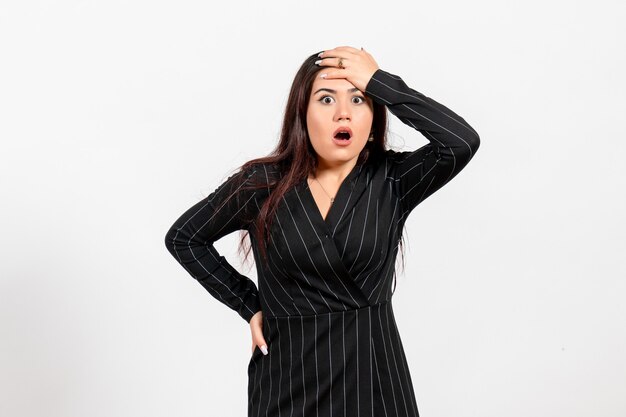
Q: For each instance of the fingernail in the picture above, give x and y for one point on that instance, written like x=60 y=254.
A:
x=320 y=54
x=323 y=75
x=318 y=62
x=264 y=349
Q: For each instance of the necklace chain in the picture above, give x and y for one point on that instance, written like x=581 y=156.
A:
x=332 y=199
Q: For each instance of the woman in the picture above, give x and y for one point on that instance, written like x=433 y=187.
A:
x=324 y=213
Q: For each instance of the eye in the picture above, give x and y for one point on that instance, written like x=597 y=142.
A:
x=360 y=99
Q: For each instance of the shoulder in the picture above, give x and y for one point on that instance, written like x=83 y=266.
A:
x=387 y=159
x=394 y=156
x=398 y=157
x=262 y=173
x=395 y=160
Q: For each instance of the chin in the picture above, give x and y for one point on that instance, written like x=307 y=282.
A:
x=342 y=157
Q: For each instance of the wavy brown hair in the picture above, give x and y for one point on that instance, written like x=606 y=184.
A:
x=294 y=155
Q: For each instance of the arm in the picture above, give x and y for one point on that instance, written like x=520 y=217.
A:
x=190 y=240
x=453 y=142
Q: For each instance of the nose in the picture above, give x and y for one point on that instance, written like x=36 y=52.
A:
x=342 y=111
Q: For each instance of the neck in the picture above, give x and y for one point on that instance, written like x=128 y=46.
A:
x=338 y=170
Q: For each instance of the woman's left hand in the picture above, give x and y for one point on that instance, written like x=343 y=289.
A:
x=358 y=65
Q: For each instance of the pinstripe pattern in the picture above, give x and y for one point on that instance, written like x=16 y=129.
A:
x=334 y=346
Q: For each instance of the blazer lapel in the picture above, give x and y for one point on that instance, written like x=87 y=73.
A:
x=347 y=196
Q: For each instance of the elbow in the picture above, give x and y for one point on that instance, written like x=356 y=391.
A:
x=466 y=149
x=473 y=143
x=170 y=240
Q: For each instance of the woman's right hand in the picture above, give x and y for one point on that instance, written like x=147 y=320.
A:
x=256 y=328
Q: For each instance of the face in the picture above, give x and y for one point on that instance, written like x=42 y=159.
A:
x=333 y=104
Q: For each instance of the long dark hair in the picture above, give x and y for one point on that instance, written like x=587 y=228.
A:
x=294 y=155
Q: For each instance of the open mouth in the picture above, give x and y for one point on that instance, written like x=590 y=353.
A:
x=343 y=133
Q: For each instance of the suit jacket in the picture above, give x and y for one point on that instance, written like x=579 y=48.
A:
x=334 y=347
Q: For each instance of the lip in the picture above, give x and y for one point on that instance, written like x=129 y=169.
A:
x=342 y=142
x=343 y=129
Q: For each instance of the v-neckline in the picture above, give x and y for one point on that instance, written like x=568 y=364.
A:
x=340 y=196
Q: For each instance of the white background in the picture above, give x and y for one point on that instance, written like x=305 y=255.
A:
x=116 y=116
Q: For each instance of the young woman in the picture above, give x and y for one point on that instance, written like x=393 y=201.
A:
x=324 y=213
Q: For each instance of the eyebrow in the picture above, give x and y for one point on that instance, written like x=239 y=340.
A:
x=330 y=90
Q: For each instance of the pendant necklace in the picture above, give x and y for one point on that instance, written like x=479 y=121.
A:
x=332 y=199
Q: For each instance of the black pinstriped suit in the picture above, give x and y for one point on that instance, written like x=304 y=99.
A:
x=334 y=347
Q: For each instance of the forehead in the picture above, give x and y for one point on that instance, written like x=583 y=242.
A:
x=339 y=84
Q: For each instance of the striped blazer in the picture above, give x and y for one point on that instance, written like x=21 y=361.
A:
x=334 y=346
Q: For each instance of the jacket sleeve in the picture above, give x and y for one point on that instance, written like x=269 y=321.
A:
x=419 y=173
x=190 y=240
